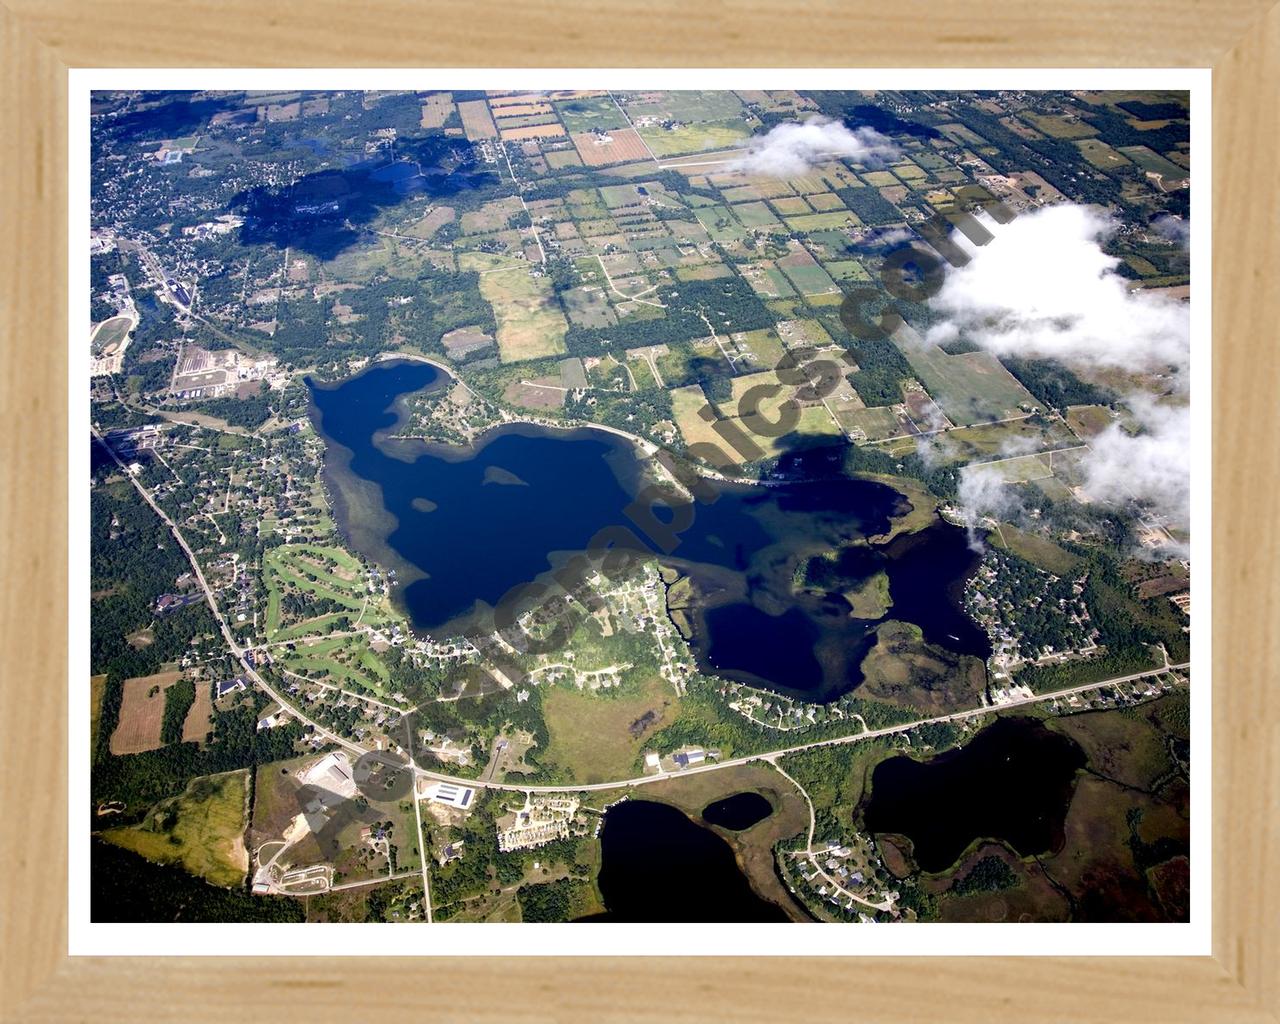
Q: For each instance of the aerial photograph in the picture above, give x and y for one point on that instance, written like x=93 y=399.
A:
x=678 y=506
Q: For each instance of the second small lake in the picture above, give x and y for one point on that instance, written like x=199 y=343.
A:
x=660 y=866
x=1013 y=782
x=738 y=812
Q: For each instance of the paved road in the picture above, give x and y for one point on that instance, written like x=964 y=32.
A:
x=235 y=648
x=769 y=755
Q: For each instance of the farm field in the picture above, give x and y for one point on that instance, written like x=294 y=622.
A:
x=971 y=388
x=530 y=324
x=553 y=130
x=695 y=138
x=683 y=105
x=1151 y=161
x=1100 y=155
x=1020 y=469
x=588 y=113
x=476 y=121
x=1060 y=127
x=1089 y=420
x=141 y=713
x=195 y=727
x=202 y=829
x=622 y=145
x=436 y=108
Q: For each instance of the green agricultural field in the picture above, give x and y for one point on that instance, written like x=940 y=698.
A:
x=973 y=387
x=530 y=324
x=987 y=441
x=1151 y=161
x=695 y=138
x=764 y=345
x=823 y=221
x=97 y=688
x=847 y=270
x=811 y=279
x=1035 y=549
x=588 y=307
x=686 y=105
x=1089 y=420
x=824 y=202
x=1100 y=155
x=720 y=223
x=1020 y=469
x=588 y=112
x=755 y=215
x=202 y=829
x=768 y=281
x=1059 y=127
x=563 y=158
x=791 y=206
x=879 y=179
x=876 y=423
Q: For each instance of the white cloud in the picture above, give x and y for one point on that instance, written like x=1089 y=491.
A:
x=791 y=150
x=1152 y=466
x=1175 y=229
x=982 y=492
x=1044 y=288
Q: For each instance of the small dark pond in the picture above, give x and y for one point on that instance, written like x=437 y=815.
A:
x=737 y=812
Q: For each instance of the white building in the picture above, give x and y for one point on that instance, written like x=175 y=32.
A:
x=451 y=794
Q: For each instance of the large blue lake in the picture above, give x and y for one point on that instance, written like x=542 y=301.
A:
x=462 y=526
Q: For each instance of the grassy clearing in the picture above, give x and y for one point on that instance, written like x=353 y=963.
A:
x=973 y=387
x=1089 y=420
x=1151 y=161
x=1060 y=127
x=755 y=215
x=1022 y=469
x=202 y=829
x=811 y=279
x=1035 y=549
x=530 y=324
x=591 y=733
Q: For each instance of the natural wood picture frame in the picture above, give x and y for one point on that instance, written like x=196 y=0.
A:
x=41 y=39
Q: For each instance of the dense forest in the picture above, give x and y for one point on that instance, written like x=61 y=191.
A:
x=129 y=889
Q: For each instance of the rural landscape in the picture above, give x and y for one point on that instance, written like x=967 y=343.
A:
x=640 y=506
